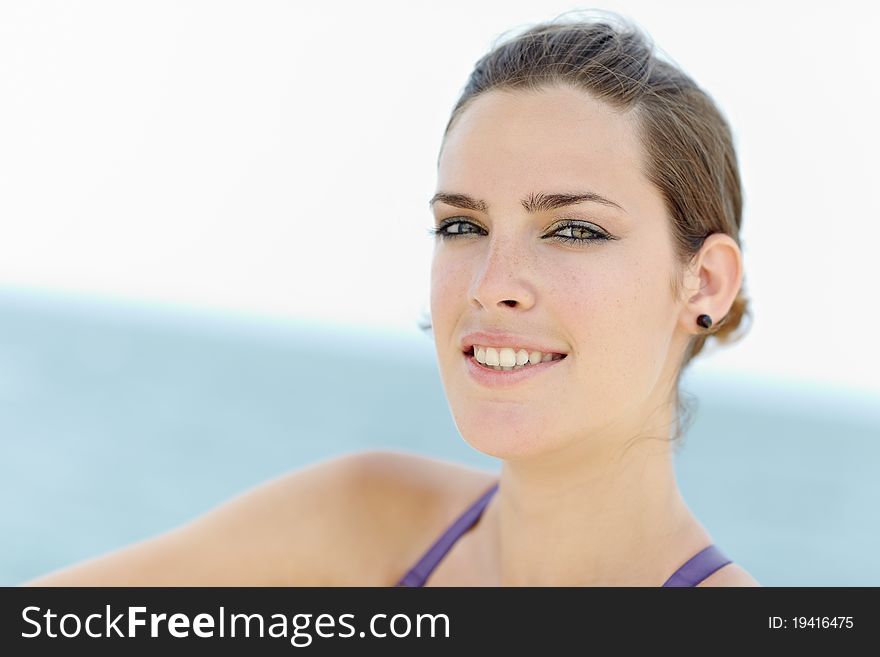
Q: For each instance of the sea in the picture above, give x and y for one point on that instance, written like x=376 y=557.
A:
x=121 y=420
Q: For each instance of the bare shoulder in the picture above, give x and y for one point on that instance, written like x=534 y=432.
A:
x=341 y=521
x=417 y=497
x=730 y=575
x=432 y=480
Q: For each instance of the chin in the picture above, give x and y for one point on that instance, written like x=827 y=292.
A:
x=510 y=440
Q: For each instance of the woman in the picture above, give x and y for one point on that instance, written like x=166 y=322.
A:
x=587 y=221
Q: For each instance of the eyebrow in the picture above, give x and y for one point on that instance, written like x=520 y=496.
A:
x=536 y=202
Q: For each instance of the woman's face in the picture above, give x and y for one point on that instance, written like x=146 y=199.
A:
x=607 y=304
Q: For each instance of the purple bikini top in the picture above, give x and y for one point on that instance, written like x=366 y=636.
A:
x=692 y=572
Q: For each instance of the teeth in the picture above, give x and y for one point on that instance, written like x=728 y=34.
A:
x=505 y=358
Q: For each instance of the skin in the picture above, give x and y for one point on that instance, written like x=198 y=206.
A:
x=587 y=472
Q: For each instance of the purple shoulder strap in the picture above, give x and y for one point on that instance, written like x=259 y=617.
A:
x=698 y=567
x=418 y=574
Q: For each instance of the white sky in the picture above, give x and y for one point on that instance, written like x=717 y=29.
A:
x=276 y=158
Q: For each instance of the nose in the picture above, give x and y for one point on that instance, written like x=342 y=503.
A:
x=503 y=279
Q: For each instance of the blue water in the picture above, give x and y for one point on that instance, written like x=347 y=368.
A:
x=120 y=421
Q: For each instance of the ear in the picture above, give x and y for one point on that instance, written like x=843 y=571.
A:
x=712 y=281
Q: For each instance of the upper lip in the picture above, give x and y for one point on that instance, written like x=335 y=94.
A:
x=501 y=339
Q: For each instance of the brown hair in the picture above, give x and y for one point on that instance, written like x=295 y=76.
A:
x=690 y=153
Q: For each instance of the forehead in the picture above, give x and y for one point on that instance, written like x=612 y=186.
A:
x=552 y=139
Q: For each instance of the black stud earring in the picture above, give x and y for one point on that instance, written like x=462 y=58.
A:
x=705 y=321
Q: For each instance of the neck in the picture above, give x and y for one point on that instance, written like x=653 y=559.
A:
x=601 y=517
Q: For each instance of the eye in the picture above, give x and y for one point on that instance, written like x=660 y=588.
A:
x=580 y=233
x=443 y=230
x=590 y=234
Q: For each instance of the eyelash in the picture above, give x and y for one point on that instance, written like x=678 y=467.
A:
x=440 y=232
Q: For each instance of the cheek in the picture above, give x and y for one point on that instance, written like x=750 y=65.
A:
x=619 y=318
x=449 y=284
x=446 y=285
